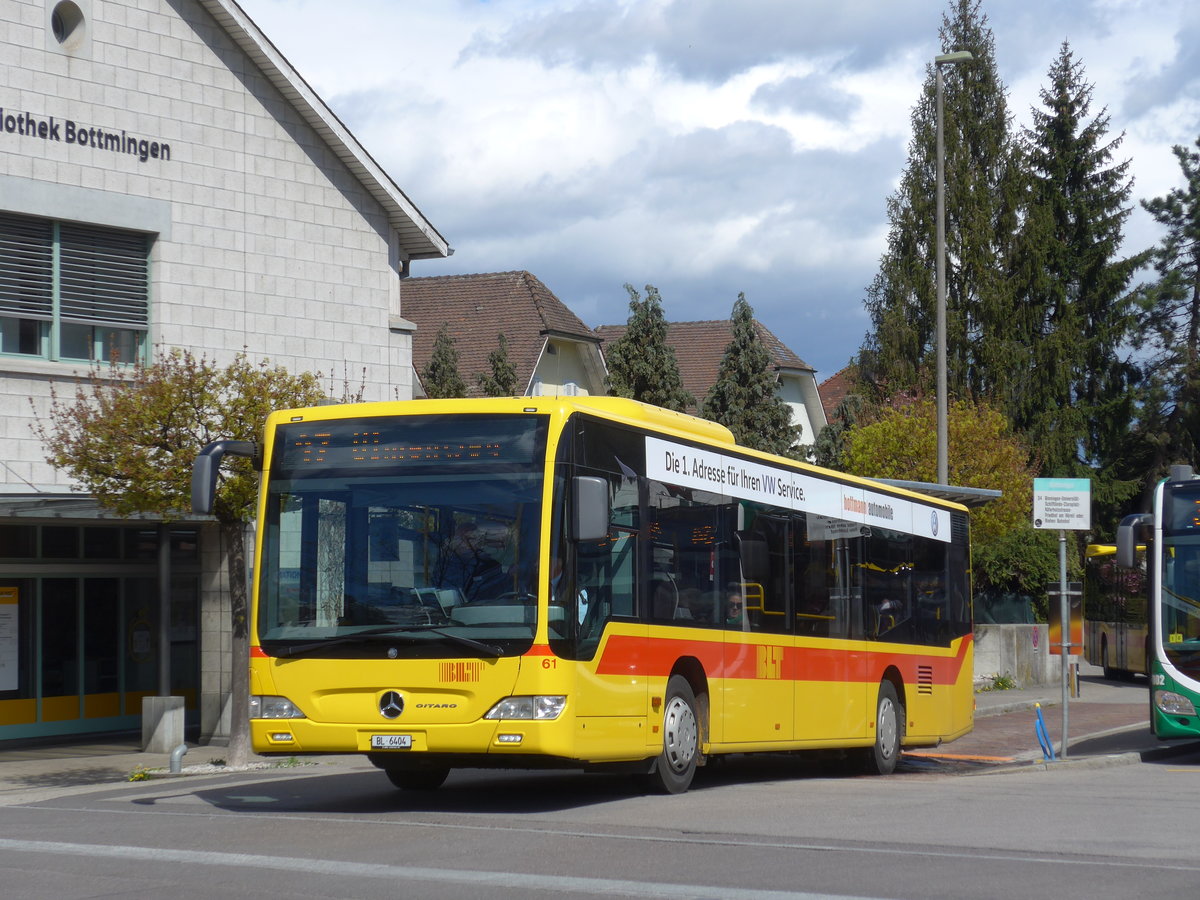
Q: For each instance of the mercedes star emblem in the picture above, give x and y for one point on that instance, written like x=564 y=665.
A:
x=391 y=704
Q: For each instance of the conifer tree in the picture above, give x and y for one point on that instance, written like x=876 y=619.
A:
x=1072 y=396
x=982 y=194
x=501 y=381
x=641 y=364
x=1170 y=320
x=745 y=397
x=440 y=378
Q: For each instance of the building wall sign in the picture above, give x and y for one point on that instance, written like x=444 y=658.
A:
x=68 y=131
x=10 y=647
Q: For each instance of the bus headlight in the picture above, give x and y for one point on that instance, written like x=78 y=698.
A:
x=268 y=707
x=1174 y=704
x=539 y=707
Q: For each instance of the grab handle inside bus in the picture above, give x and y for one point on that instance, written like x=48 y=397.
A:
x=590 y=512
x=206 y=466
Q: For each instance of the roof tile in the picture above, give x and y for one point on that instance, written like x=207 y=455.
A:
x=477 y=308
x=699 y=347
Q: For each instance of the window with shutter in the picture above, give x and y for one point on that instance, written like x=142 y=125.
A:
x=70 y=291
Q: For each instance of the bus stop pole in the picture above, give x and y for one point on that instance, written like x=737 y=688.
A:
x=1064 y=634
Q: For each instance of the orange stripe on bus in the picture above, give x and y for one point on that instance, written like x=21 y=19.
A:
x=627 y=655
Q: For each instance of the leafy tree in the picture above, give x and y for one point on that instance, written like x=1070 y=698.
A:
x=641 y=364
x=1072 y=395
x=1170 y=320
x=831 y=441
x=902 y=444
x=982 y=195
x=745 y=397
x=501 y=381
x=440 y=378
x=1023 y=561
x=129 y=436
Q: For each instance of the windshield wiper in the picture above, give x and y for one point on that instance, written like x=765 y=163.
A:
x=387 y=631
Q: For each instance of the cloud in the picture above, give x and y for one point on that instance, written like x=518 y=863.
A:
x=703 y=146
x=711 y=40
x=807 y=94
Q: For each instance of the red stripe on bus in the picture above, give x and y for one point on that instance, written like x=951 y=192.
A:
x=627 y=655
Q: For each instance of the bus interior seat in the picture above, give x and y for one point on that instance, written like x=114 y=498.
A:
x=664 y=596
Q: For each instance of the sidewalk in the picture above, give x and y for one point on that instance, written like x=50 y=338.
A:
x=1108 y=718
x=1107 y=724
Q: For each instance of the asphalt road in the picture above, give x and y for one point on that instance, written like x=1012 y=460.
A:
x=753 y=828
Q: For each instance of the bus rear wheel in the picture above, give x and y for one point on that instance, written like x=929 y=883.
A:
x=676 y=765
x=881 y=759
x=417 y=779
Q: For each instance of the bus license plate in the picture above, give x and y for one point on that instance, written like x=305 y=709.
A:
x=391 y=742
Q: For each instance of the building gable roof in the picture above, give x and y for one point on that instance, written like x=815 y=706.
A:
x=477 y=308
x=699 y=347
x=835 y=388
x=418 y=238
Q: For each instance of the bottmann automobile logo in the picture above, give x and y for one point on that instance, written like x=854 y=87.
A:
x=391 y=704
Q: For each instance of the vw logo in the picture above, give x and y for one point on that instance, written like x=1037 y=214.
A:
x=391 y=704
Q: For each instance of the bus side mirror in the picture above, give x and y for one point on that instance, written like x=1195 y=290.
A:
x=206 y=466
x=1131 y=532
x=589 y=508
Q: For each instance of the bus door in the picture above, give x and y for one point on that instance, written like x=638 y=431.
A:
x=759 y=686
x=597 y=615
x=831 y=689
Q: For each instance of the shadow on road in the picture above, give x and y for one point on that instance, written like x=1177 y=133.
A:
x=487 y=792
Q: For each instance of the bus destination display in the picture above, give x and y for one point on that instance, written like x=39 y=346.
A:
x=406 y=442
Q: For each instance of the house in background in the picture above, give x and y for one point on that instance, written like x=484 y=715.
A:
x=699 y=347
x=551 y=349
x=835 y=388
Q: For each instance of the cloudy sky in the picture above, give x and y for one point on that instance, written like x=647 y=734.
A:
x=704 y=146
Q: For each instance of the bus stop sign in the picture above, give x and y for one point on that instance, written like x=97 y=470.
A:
x=1062 y=503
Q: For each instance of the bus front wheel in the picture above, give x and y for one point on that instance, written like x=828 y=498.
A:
x=417 y=779
x=676 y=765
x=881 y=759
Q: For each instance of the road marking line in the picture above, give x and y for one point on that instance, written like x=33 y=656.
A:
x=341 y=869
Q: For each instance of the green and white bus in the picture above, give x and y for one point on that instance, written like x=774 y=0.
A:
x=1171 y=534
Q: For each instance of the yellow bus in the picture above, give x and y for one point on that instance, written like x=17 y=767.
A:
x=595 y=583
x=1115 y=633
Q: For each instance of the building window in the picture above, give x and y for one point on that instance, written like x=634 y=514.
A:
x=73 y=292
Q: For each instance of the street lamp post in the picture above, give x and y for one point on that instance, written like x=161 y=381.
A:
x=943 y=441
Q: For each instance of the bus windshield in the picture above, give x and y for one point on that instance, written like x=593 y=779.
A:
x=1180 y=595
x=409 y=537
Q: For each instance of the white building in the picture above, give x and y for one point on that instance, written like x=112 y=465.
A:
x=166 y=180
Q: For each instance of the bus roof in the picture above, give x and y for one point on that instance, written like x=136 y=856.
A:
x=632 y=412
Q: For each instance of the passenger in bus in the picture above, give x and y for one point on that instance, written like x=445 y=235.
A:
x=735 y=607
